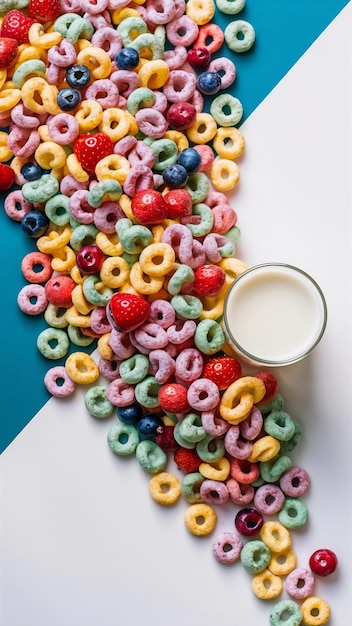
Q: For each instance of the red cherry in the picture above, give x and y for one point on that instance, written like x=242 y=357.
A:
x=89 y=259
x=181 y=115
x=179 y=203
x=323 y=562
x=172 y=398
x=149 y=207
x=59 y=289
x=248 y=522
x=208 y=280
x=198 y=58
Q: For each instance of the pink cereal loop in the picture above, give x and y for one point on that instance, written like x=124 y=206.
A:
x=213 y=424
x=151 y=122
x=23 y=142
x=203 y=395
x=235 y=446
x=182 y=31
x=176 y=58
x=32 y=299
x=109 y=368
x=251 y=427
x=162 y=312
x=141 y=154
x=189 y=365
x=69 y=185
x=99 y=322
x=94 y=7
x=181 y=331
x=269 y=499
x=151 y=336
x=120 y=393
x=125 y=81
x=80 y=207
x=24 y=117
x=63 y=128
x=225 y=68
x=103 y=91
x=224 y=218
x=160 y=11
x=121 y=345
x=239 y=493
x=139 y=177
x=180 y=86
x=16 y=206
x=108 y=40
x=106 y=216
x=162 y=365
x=206 y=154
x=62 y=55
x=58 y=382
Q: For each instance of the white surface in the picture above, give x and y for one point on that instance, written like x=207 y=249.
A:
x=82 y=541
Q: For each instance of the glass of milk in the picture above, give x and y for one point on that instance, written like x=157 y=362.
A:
x=274 y=314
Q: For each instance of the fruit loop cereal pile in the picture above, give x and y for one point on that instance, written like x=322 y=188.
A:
x=115 y=169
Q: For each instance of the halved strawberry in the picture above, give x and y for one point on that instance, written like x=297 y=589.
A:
x=222 y=370
x=127 y=311
x=8 y=51
x=7 y=177
x=90 y=149
x=44 y=10
x=16 y=25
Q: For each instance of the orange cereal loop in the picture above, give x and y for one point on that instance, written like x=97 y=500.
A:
x=200 y=11
x=81 y=368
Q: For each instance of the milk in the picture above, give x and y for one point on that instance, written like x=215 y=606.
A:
x=274 y=314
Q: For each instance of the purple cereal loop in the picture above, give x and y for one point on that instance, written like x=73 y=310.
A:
x=55 y=75
x=69 y=185
x=198 y=102
x=125 y=145
x=239 y=493
x=300 y=583
x=107 y=215
x=269 y=499
x=181 y=331
x=295 y=482
x=125 y=81
x=224 y=218
x=151 y=122
x=180 y=7
x=160 y=11
x=151 y=336
x=182 y=31
x=160 y=101
x=104 y=92
x=109 y=368
x=121 y=345
x=93 y=7
x=238 y=448
x=176 y=235
x=23 y=142
x=70 y=6
x=214 y=492
x=193 y=257
x=162 y=365
x=162 y=312
x=225 y=68
x=216 y=198
x=203 y=395
x=189 y=365
x=24 y=117
x=251 y=427
x=16 y=206
x=227 y=540
x=99 y=21
x=212 y=242
x=32 y=299
x=99 y=322
x=137 y=345
x=51 y=382
x=120 y=393
x=80 y=207
x=213 y=424
x=176 y=58
x=141 y=154
x=180 y=86
x=139 y=177
x=63 y=55
x=63 y=128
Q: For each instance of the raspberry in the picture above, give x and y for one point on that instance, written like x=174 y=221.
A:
x=187 y=460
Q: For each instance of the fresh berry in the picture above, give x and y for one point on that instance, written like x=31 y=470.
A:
x=172 y=398
x=179 y=203
x=68 y=99
x=198 y=58
x=8 y=51
x=78 y=76
x=166 y=439
x=59 y=289
x=271 y=386
x=35 y=224
x=149 y=426
x=89 y=259
x=129 y=414
x=208 y=280
x=31 y=171
x=190 y=159
x=127 y=59
x=248 y=522
x=16 y=25
x=209 y=83
x=44 y=10
x=90 y=149
x=127 y=311
x=175 y=175
x=181 y=115
x=149 y=206
x=187 y=460
x=7 y=177
x=222 y=370
x=323 y=562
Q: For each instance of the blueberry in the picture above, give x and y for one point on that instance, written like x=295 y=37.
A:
x=190 y=159
x=209 y=83
x=127 y=59
x=129 y=414
x=34 y=224
x=31 y=171
x=78 y=76
x=68 y=99
x=175 y=175
x=149 y=426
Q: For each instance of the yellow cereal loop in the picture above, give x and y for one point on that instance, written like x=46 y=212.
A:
x=179 y=138
x=237 y=401
x=200 y=519
x=143 y=283
x=216 y=470
x=264 y=449
x=9 y=98
x=3 y=77
x=232 y=267
x=39 y=96
x=76 y=275
x=282 y=563
x=89 y=115
x=315 y=611
x=157 y=232
x=203 y=130
x=224 y=174
x=109 y=243
x=157 y=259
x=97 y=61
x=50 y=155
x=82 y=44
x=165 y=488
x=104 y=348
x=125 y=204
x=121 y=14
x=81 y=368
x=229 y=143
x=75 y=318
x=75 y=169
x=5 y=152
x=113 y=166
x=213 y=306
x=38 y=37
x=80 y=302
x=29 y=53
x=54 y=240
x=114 y=272
x=43 y=132
x=64 y=260
x=115 y=123
x=275 y=536
x=200 y=11
x=154 y=74
x=266 y=585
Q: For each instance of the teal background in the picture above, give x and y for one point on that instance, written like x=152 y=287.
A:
x=284 y=31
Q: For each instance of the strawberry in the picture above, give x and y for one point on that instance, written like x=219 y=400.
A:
x=44 y=10
x=7 y=177
x=187 y=460
x=8 y=51
x=208 y=280
x=222 y=370
x=271 y=386
x=16 y=25
x=90 y=149
x=179 y=203
x=149 y=206
x=172 y=398
x=127 y=311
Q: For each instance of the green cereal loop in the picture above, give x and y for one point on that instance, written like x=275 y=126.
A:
x=77 y=337
x=53 y=343
x=187 y=307
x=147 y=40
x=140 y=98
x=134 y=369
x=97 y=403
x=288 y=446
x=276 y=404
x=280 y=425
x=271 y=471
x=191 y=428
x=230 y=7
x=293 y=514
x=7 y=5
x=227 y=250
x=103 y=187
x=55 y=316
x=73 y=222
x=206 y=220
x=63 y=23
x=150 y=456
x=286 y=613
x=83 y=235
x=190 y=487
x=127 y=26
x=160 y=34
x=181 y=277
x=258 y=483
x=79 y=29
x=209 y=337
x=57 y=210
x=255 y=556
x=131 y=259
x=180 y=440
x=210 y=449
x=40 y=190
x=146 y=392
x=234 y=234
x=98 y=298
x=133 y=237
x=28 y=67
x=123 y=439
x=166 y=153
x=198 y=186
x=236 y=28
x=220 y=104
x=172 y=416
x=147 y=140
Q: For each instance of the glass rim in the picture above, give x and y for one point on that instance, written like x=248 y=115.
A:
x=300 y=355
